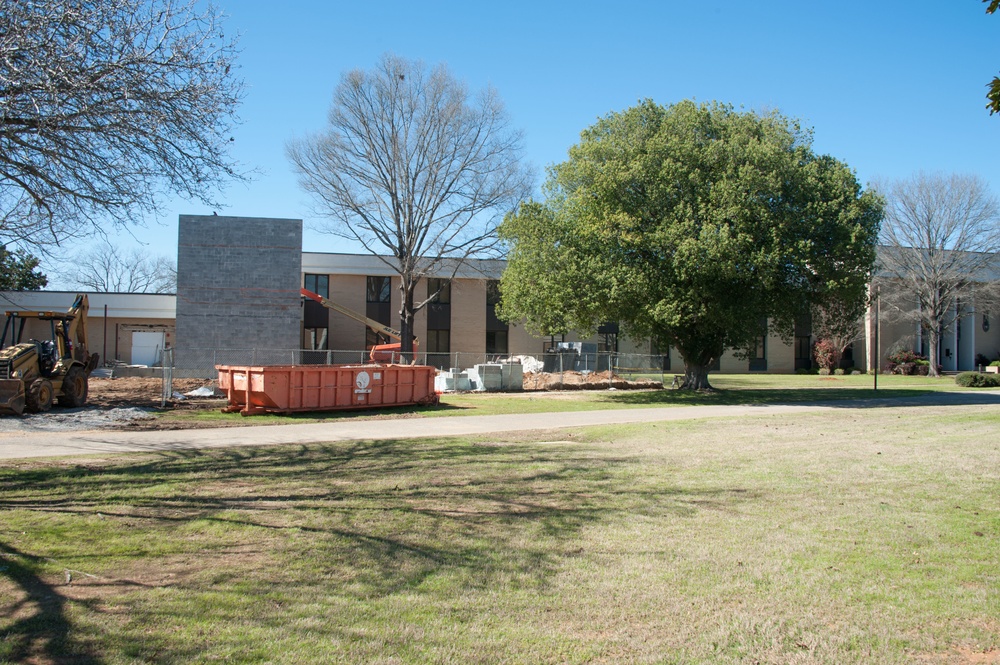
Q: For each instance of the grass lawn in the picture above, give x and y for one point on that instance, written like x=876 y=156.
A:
x=732 y=389
x=860 y=536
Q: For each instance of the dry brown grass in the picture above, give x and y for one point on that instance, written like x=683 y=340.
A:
x=853 y=536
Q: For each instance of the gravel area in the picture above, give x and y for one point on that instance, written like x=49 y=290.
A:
x=68 y=420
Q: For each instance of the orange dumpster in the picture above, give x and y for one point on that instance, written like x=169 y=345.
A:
x=287 y=388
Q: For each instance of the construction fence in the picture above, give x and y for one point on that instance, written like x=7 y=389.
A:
x=629 y=366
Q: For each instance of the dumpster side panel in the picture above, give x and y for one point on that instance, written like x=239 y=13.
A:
x=286 y=388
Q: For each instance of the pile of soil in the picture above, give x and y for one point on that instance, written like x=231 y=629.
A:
x=148 y=392
x=584 y=381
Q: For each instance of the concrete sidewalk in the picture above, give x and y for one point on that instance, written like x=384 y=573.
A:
x=52 y=444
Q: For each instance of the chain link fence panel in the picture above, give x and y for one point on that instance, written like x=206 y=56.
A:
x=627 y=366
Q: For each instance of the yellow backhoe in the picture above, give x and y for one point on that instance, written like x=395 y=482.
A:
x=35 y=373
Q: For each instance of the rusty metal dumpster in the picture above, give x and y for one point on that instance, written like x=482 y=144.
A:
x=287 y=388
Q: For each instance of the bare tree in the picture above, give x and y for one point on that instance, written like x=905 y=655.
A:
x=104 y=106
x=940 y=235
x=839 y=323
x=414 y=169
x=106 y=269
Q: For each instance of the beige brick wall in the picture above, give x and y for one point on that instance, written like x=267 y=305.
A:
x=468 y=326
x=346 y=333
x=780 y=356
x=468 y=316
x=111 y=339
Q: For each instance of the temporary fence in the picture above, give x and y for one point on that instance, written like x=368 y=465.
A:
x=168 y=377
x=629 y=366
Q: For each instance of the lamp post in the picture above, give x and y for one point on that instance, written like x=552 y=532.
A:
x=878 y=347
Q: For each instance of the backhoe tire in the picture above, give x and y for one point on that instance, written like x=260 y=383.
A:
x=38 y=397
x=75 y=388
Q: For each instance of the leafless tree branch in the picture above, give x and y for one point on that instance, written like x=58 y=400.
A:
x=107 y=105
x=107 y=269
x=414 y=169
x=940 y=240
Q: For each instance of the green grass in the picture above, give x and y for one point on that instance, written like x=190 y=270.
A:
x=863 y=536
x=732 y=389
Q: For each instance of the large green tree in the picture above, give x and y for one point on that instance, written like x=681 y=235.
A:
x=689 y=224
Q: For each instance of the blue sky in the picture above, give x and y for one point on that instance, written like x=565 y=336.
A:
x=890 y=87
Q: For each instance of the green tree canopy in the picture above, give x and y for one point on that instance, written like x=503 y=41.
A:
x=19 y=271
x=689 y=224
x=993 y=96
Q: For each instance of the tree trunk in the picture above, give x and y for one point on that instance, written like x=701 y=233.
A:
x=933 y=344
x=406 y=325
x=695 y=377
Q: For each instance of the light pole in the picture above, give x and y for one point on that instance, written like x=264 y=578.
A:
x=878 y=347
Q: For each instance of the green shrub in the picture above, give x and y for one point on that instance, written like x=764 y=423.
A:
x=824 y=371
x=838 y=372
x=995 y=363
x=904 y=356
x=977 y=380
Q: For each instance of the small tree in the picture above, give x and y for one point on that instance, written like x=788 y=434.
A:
x=940 y=237
x=104 y=106
x=19 y=271
x=107 y=269
x=826 y=354
x=837 y=324
x=414 y=168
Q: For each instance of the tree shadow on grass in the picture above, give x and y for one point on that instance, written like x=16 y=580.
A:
x=261 y=527
x=39 y=630
x=848 y=398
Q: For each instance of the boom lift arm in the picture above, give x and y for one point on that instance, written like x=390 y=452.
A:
x=378 y=352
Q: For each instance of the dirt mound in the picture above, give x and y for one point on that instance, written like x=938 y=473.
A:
x=584 y=381
x=145 y=392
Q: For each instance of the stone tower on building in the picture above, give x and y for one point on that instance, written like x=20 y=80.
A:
x=238 y=282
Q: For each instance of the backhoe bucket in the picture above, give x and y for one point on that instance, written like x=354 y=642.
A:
x=11 y=396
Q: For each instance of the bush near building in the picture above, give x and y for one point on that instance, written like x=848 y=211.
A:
x=977 y=380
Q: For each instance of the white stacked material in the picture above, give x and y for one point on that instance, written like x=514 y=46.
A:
x=452 y=381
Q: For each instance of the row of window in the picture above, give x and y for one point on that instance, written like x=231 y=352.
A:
x=378 y=294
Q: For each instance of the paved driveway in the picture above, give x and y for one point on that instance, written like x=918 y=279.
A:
x=45 y=444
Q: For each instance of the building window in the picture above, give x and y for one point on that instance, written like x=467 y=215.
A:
x=438 y=341
x=803 y=341
x=758 y=355
x=607 y=338
x=654 y=350
x=496 y=341
x=492 y=292
x=373 y=338
x=442 y=287
x=551 y=345
x=497 y=331
x=315 y=317
x=378 y=289
x=315 y=339
x=803 y=352
x=318 y=284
